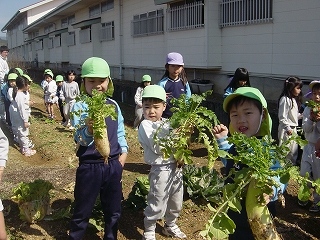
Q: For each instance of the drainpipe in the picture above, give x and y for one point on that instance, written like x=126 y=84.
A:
x=121 y=37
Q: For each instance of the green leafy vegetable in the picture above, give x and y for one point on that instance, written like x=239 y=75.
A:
x=98 y=110
x=315 y=106
x=189 y=116
x=33 y=199
x=252 y=183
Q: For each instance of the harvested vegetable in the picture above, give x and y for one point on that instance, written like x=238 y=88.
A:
x=252 y=183
x=189 y=116
x=98 y=111
x=33 y=199
x=315 y=106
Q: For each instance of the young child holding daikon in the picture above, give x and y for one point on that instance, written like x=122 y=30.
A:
x=248 y=113
x=166 y=185
x=102 y=150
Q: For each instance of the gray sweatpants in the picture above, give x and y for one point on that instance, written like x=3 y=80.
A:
x=311 y=164
x=165 y=196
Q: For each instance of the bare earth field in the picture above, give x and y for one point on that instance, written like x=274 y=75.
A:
x=55 y=161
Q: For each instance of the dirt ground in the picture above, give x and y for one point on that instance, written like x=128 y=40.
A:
x=55 y=161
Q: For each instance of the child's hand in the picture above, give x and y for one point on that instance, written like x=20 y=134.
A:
x=122 y=158
x=26 y=124
x=220 y=131
x=289 y=132
x=89 y=123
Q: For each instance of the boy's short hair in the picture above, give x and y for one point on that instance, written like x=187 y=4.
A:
x=154 y=91
x=255 y=94
x=4 y=48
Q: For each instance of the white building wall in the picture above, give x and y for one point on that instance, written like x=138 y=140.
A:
x=288 y=46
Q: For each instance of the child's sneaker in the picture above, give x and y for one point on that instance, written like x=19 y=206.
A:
x=149 y=236
x=29 y=152
x=314 y=208
x=173 y=231
x=302 y=203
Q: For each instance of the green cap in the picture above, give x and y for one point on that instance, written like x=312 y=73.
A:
x=50 y=73
x=59 y=78
x=12 y=76
x=146 y=78
x=95 y=67
x=27 y=77
x=154 y=91
x=254 y=93
x=19 y=70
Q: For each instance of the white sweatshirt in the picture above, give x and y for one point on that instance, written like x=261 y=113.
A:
x=152 y=151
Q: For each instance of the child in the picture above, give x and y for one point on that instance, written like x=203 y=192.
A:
x=146 y=80
x=289 y=104
x=174 y=81
x=50 y=92
x=248 y=113
x=6 y=90
x=59 y=82
x=20 y=114
x=239 y=79
x=44 y=84
x=166 y=185
x=69 y=92
x=310 y=163
x=4 y=149
x=93 y=175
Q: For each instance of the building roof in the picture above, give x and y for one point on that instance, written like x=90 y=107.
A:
x=22 y=12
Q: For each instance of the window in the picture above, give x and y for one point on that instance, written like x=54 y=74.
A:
x=49 y=28
x=107 y=5
x=94 y=11
x=65 y=22
x=50 y=42
x=241 y=12
x=71 y=40
x=148 y=23
x=57 y=40
x=107 y=31
x=39 y=45
x=185 y=15
x=85 y=34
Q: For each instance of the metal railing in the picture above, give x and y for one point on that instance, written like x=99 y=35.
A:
x=243 y=12
x=188 y=16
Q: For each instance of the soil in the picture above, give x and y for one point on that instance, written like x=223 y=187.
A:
x=56 y=162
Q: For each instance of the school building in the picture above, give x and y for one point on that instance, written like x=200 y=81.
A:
x=273 y=39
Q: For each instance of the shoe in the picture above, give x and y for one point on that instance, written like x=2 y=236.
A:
x=31 y=144
x=29 y=152
x=149 y=236
x=173 y=231
x=314 y=208
x=302 y=203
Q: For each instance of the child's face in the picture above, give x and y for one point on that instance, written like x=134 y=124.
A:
x=12 y=83
x=100 y=84
x=242 y=83
x=59 y=83
x=146 y=83
x=296 y=91
x=47 y=78
x=174 y=71
x=316 y=94
x=152 y=110
x=246 y=118
x=71 y=77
